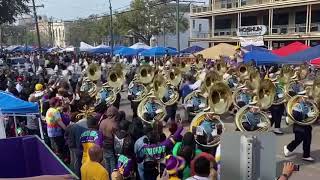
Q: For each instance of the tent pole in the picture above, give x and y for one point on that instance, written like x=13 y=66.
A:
x=40 y=128
x=15 y=125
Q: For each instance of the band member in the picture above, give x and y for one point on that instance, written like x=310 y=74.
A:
x=171 y=109
x=152 y=110
x=243 y=97
x=252 y=119
x=301 y=111
x=209 y=130
x=195 y=104
x=277 y=110
x=296 y=86
x=230 y=80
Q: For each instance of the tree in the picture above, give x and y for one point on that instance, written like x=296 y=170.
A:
x=10 y=9
x=147 y=17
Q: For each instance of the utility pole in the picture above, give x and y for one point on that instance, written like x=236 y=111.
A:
x=178 y=25
x=111 y=29
x=36 y=21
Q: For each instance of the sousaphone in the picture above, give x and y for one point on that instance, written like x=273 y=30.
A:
x=310 y=119
x=220 y=98
x=116 y=78
x=151 y=109
x=94 y=72
x=266 y=93
x=137 y=90
x=207 y=128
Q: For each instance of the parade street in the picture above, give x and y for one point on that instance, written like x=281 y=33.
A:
x=308 y=171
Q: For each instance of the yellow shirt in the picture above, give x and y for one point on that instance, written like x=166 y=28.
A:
x=93 y=171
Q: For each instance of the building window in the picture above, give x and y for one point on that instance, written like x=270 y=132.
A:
x=193 y=24
x=200 y=27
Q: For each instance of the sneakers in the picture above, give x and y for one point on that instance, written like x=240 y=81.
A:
x=277 y=131
x=309 y=159
x=286 y=152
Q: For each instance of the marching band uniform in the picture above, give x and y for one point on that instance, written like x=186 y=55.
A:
x=243 y=98
x=172 y=109
x=252 y=120
x=277 y=111
x=303 y=134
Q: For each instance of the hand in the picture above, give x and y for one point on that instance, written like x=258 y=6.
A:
x=288 y=168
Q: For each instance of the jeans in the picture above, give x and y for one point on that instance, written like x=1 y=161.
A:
x=110 y=161
x=75 y=161
x=141 y=171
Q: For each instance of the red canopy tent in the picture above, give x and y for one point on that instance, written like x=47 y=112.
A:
x=315 y=62
x=290 y=49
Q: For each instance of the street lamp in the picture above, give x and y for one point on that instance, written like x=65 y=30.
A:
x=111 y=29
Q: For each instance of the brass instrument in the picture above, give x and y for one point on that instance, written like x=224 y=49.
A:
x=207 y=128
x=107 y=95
x=266 y=93
x=310 y=118
x=235 y=97
x=146 y=74
x=221 y=67
x=94 y=72
x=244 y=72
x=210 y=78
x=174 y=76
x=151 y=109
x=303 y=72
x=286 y=73
x=220 y=98
x=88 y=87
x=240 y=118
x=184 y=67
x=137 y=90
x=116 y=77
x=196 y=102
x=280 y=97
x=166 y=90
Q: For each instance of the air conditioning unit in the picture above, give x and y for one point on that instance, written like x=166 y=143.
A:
x=276 y=31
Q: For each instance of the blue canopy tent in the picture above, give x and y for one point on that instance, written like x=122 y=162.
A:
x=100 y=50
x=301 y=57
x=158 y=51
x=13 y=106
x=192 y=50
x=118 y=47
x=175 y=49
x=125 y=51
x=255 y=48
x=24 y=49
x=260 y=57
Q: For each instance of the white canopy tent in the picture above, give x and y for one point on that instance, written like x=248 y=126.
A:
x=85 y=47
x=140 y=45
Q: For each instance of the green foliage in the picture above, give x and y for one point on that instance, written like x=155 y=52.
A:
x=143 y=19
x=10 y=9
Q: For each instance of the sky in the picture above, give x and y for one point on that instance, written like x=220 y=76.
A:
x=73 y=9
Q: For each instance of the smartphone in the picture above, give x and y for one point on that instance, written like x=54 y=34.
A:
x=296 y=167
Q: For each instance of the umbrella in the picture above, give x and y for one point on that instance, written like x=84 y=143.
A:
x=192 y=50
x=315 y=62
x=301 y=57
x=255 y=48
x=221 y=49
x=175 y=49
x=85 y=47
x=100 y=50
x=140 y=45
x=260 y=57
x=126 y=52
x=290 y=49
x=158 y=51
x=23 y=49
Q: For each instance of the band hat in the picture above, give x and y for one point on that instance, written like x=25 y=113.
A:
x=254 y=102
x=174 y=164
x=302 y=92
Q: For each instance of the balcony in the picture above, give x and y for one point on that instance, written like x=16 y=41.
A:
x=224 y=6
x=277 y=31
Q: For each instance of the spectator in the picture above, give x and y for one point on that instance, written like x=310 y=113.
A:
x=92 y=169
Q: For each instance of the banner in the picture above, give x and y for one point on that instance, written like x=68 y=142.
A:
x=256 y=41
x=258 y=30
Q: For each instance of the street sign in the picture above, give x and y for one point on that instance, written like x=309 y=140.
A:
x=258 y=30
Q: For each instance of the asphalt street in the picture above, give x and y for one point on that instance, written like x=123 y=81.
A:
x=308 y=171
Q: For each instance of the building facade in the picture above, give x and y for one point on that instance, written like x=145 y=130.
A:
x=286 y=21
